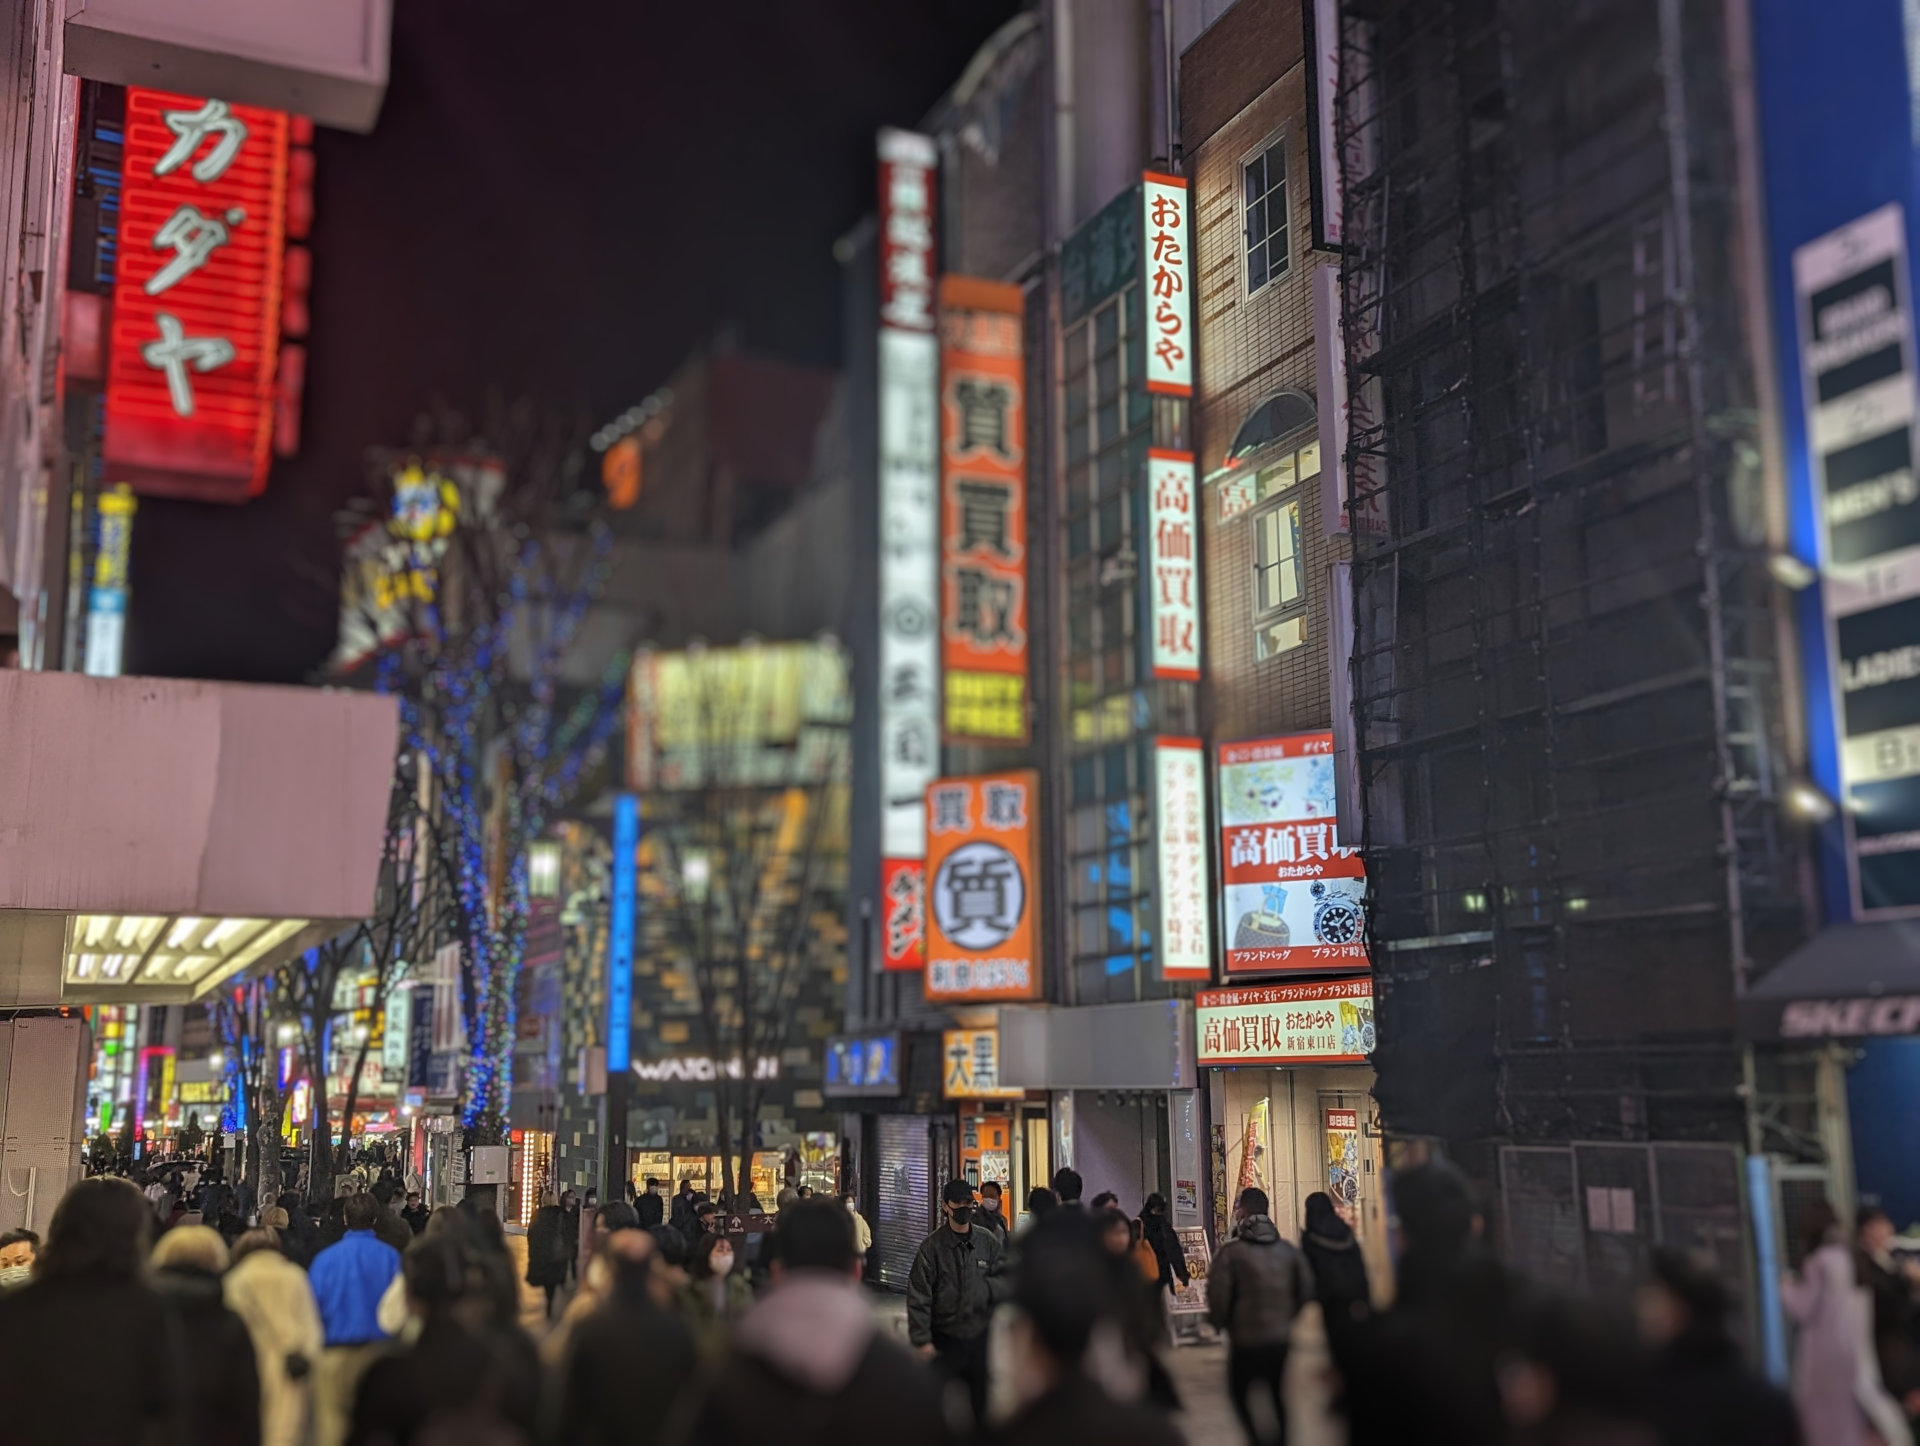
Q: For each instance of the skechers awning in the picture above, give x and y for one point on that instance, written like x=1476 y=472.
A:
x=1849 y=981
x=158 y=836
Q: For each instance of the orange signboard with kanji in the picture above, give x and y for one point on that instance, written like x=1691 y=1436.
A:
x=983 y=887
x=983 y=511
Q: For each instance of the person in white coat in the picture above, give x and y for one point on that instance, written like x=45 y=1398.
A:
x=1836 y=1375
x=270 y=1293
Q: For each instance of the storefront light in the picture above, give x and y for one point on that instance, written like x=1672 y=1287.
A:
x=176 y=958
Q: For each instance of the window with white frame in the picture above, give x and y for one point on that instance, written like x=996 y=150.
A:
x=1263 y=181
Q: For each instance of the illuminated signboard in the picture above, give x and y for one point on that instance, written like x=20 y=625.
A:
x=625 y=869
x=1292 y=897
x=1173 y=565
x=983 y=534
x=1327 y=1021
x=983 y=890
x=107 y=598
x=1180 y=845
x=1169 y=297
x=862 y=1064
x=193 y=367
x=909 y=602
x=970 y=1066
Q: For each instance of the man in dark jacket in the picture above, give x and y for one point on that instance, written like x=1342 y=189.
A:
x=1255 y=1287
x=223 y=1377
x=652 y=1209
x=87 y=1304
x=808 y=1367
x=991 y=1216
x=951 y=1292
x=628 y=1360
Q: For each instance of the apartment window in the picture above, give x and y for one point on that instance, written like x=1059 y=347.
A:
x=1279 y=563
x=1264 y=184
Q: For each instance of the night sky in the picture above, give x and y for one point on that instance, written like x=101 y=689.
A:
x=559 y=202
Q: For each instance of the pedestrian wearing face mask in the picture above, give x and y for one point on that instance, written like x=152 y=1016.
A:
x=717 y=1294
x=955 y=1284
x=17 y=1249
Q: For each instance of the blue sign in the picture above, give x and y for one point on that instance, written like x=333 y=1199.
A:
x=420 y=1036
x=1838 y=127
x=867 y=1064
x=626 y=865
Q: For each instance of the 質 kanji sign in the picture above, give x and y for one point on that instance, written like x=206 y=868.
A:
x=983 y=887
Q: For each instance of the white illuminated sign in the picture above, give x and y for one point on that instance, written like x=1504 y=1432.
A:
x=1173 y=571
x=1169 y=268
x=1180 y=843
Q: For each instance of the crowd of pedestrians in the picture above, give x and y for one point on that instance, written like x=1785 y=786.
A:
x=381 y=1323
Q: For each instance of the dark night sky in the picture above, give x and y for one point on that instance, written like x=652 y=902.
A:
x=560 y=201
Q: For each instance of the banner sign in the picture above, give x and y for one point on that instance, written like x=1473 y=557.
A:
x=1292 y=897
x=1180 y=844
x=983 y=534
x=983 y=896
x=903 y=914
x=195 y=336
x=1169 y=299
x=862 y=1064
x=1173 y=564
x=1329 y=1021
x=909 y=381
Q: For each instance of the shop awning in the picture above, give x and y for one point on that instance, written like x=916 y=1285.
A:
x=1848 y=981
x=158 y=836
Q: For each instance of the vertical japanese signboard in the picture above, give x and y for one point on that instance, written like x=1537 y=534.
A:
x=620 y=932
x=1169 y=300
x=191 y=400
x=1857 y=376
x=909 y=604
x=1173 y=565
x=983 y=543
x=1180 y=843
x=1292 y=897
x=983 y=887
x=107 y=597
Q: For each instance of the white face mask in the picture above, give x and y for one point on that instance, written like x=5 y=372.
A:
x=721 y=1261
x=12 y=1275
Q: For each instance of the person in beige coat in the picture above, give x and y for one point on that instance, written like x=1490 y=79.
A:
x=270 y=1293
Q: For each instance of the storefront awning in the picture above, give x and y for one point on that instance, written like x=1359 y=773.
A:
x=1847 y=982
x=158 y=836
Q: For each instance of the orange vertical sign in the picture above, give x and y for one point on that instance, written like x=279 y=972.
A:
x=983 y=511
x=983 y=887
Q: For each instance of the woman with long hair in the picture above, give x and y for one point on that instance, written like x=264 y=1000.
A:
x=1836 y=1377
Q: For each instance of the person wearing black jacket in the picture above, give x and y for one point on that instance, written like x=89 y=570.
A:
x=548 y=1250
x=86 y=1305
x=652 y=1209
x=1699 y=1389
x=223 y=1376
x=1339 y=1274
x=807 y=1367
x=951 y=1292
x=991 y=1214
x=1158 y=1231
x=627 y=1361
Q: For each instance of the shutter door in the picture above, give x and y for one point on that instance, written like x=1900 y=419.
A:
x=906 y=1213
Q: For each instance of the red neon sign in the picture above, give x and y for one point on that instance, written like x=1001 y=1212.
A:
x=191 y=371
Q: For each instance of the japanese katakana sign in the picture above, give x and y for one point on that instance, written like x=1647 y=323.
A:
x=983 y=552
x=909 y=563
x=1173 y=564
x=1292 y=897
x=983 y=886
x=1169 y=281
x=197 y=308
x=1329 y=1021
x=970 y=1066
x=1180 y=844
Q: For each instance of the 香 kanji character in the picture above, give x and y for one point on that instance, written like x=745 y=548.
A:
x=1005 y=805
x=983 y=610
x=950 y=811
x=193 y=238
x=1166 y=211
x=190 y=127
x=176 y=351
x=983 y=407
x=983 y=517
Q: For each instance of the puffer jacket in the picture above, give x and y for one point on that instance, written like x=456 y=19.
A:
x=1256 y=1286
x=955 y=1284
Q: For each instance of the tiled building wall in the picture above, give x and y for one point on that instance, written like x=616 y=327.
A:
x=1250 y=347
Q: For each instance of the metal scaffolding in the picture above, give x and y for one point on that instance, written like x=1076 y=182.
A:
x=1567 y=703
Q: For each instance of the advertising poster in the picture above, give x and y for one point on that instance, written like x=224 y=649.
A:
x=983 y=529
x=1191 y=1298
x=1343 y=1162
x=1179 y=836
x=983 y=887
x=1293 y=898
